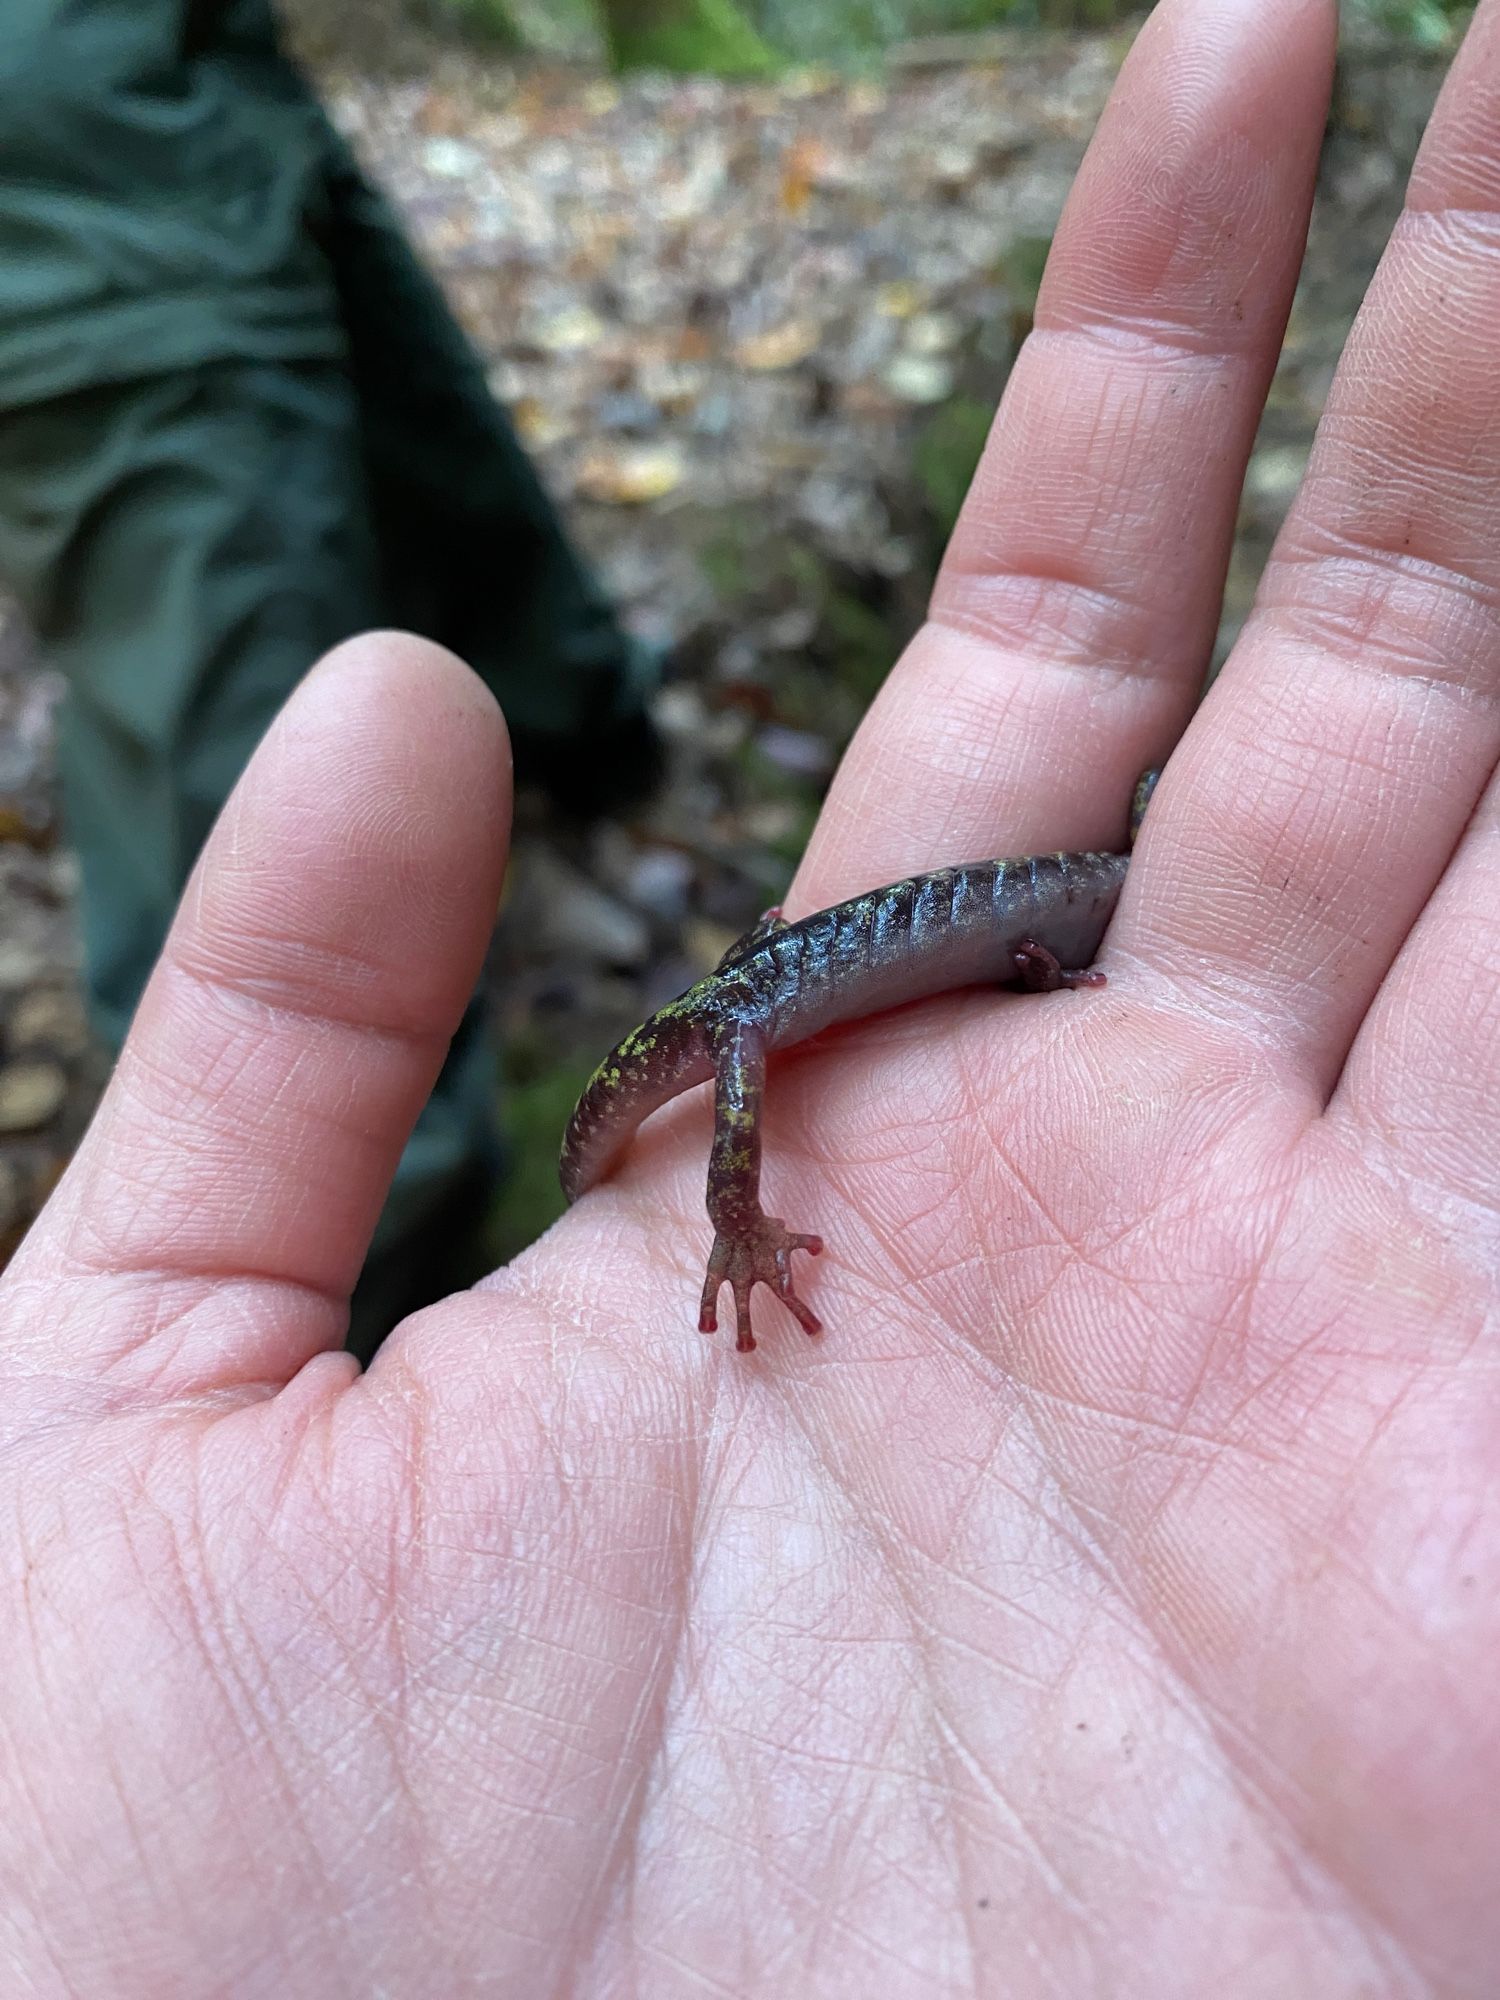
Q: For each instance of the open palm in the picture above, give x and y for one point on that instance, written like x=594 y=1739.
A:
x=1107 y=1604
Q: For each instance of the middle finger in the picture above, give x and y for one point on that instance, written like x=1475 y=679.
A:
x=1079 y=600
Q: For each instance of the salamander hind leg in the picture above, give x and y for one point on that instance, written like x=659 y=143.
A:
x=757 y=1254
x=750 y=1247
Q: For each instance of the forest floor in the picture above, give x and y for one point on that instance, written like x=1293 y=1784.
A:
x=753 y=336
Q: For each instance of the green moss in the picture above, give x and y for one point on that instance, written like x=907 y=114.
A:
x=1025 y=265
x=709 y=37
x=486 y=21
x=1430 y=24
x=535 y=1109
x=947 y=455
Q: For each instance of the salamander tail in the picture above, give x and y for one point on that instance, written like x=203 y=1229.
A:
x=655 y=1063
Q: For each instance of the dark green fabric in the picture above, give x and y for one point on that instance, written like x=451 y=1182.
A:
x=159 y=166
x=238 y=424
x=186 y=547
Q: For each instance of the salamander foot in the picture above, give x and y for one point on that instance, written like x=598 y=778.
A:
x=761 y=1255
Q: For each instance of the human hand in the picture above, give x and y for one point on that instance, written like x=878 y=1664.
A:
x=1107 y=1604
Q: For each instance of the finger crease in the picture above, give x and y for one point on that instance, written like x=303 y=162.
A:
x=267 y=998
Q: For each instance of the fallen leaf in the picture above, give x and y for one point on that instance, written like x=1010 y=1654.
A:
x=571 y=331
x=919 y=378
x=26 y=827
x=631 y=475
x=451 y=159
x=933 y=333
x=899 y=299
x=536 y=424
x=780 y=346
x=801 y=166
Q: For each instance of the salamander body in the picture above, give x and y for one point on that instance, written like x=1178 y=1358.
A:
x=1035 y=922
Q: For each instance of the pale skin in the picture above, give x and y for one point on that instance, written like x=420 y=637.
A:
x=1109 y=1602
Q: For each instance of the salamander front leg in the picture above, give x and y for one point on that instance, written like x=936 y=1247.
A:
x=766 y=925
x=1039 y=972
x=750 y=1247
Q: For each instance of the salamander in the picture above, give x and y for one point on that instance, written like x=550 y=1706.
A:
x=1036 y=923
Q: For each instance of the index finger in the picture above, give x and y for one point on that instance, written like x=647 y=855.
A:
x=1076 y=611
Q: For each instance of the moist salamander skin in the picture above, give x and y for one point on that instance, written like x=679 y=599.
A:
x=1035 y=922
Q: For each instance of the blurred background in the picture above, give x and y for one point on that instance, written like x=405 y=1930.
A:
x=749 y=276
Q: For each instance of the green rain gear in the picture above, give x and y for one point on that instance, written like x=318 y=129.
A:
x=237 y=424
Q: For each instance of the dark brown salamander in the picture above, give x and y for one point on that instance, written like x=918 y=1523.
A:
x=1035 y=923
